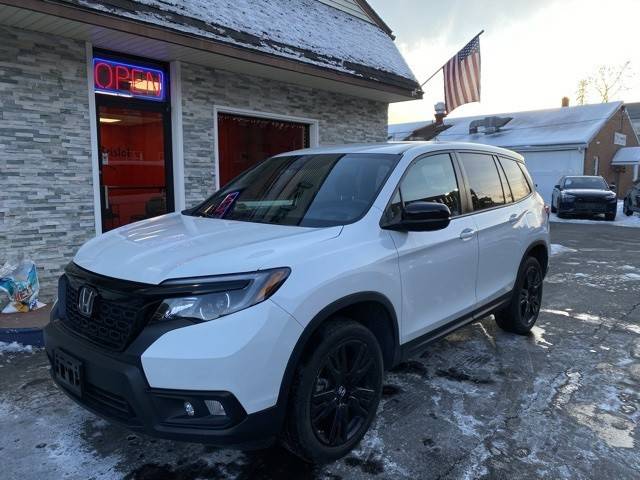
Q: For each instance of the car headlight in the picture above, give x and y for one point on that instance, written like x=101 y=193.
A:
x=568 y=197
x=221 y=295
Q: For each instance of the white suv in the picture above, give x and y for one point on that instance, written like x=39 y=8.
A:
x=271 y=310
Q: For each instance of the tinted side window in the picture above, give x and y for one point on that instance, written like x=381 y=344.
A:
x=429 y=179
x=517 y=181
x=484 y=181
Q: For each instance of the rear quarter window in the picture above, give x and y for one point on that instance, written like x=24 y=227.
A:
x=520 y=187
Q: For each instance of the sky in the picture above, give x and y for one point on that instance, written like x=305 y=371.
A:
x=534 y=52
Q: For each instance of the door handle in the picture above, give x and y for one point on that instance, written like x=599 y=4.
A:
x=467 y=233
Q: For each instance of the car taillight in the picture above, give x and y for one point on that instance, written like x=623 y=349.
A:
x=547 y=209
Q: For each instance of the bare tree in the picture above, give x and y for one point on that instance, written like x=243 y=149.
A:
x=581 y=93
x=606 y=83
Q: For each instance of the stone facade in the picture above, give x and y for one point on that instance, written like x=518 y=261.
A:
x=46 y=186
x=46 y=192
x=342 y=118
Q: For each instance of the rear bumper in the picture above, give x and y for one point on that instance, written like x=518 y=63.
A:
x=114 y=386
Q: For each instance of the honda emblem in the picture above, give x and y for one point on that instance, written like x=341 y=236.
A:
x=86 y=299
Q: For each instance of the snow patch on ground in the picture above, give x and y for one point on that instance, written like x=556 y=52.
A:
x=615 y=431
x=557 y=249
x=596 y=320
x=538 y=337
x=15 y=347
x=621 y=219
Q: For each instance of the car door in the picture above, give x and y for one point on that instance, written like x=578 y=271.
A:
x=497 y=220
x=438 y=268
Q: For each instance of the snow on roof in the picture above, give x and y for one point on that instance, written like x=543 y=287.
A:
x=305 y=30
x=400 y=131
x=627 y=156
x=558 y=126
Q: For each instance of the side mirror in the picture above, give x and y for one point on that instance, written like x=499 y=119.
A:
x=422 y=217
x=557 y=186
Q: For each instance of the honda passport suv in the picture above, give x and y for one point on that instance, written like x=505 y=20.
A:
x=271 y=310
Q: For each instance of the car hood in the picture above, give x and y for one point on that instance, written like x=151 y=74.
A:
x=587 y=192
x=179 y=246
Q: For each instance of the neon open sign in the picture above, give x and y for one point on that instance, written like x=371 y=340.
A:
x=117 y=78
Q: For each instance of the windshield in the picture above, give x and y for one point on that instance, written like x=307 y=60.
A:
x=304 y=190
x=596 y=183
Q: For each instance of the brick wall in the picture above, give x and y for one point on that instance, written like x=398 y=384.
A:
x=342 y=119
x=603 y=147
x=46 y=193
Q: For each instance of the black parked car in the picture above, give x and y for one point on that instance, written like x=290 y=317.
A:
x=583 y=195
x=632 y=200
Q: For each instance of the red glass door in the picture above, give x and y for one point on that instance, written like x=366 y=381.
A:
x=133 y=164
x=245 y=141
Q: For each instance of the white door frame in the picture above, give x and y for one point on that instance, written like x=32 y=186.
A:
x=93 y=135
x=177 y=149
x=314 y=136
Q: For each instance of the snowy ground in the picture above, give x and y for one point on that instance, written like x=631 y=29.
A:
x=562 y=403
x=621 y=219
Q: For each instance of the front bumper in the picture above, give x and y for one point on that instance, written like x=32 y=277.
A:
x=587 y=207
x=117 y=387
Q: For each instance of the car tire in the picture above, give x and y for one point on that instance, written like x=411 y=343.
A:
x=627 y=209
x=553 y=209
x=561 y=215
x=609 y=217
x=335 y=393
x=523 y=310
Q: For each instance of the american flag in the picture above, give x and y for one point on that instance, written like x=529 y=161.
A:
x=462 y=76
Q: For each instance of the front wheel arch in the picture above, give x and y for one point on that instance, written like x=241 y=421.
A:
x=390 y=349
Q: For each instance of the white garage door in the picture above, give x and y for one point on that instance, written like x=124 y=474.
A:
x=547 y=167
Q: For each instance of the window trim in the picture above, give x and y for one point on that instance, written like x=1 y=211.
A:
x=456 y=170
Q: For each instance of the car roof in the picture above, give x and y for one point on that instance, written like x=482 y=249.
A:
x=417 y=148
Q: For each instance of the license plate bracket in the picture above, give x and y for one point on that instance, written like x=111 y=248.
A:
x=68 y=371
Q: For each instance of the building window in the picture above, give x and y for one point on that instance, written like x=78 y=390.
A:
x=244 y=141
x=596 y=164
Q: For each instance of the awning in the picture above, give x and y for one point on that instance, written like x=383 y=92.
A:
x=627 y=156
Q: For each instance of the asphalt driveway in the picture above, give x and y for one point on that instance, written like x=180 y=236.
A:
x=560 y=403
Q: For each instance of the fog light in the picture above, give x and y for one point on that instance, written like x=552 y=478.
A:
x=215 y=407
x=188 y=408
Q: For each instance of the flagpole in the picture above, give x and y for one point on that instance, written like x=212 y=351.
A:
x=438 y=70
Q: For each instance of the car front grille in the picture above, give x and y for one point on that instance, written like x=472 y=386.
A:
x=589 y=206
x=110 y=325
x=118 y=314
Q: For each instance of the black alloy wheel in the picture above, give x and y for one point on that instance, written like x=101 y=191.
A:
x=531 y=295
x=336 y=391
x=344 y=393
x=521 y=313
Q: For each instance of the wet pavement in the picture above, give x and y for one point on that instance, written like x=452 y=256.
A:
x=480 y=403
